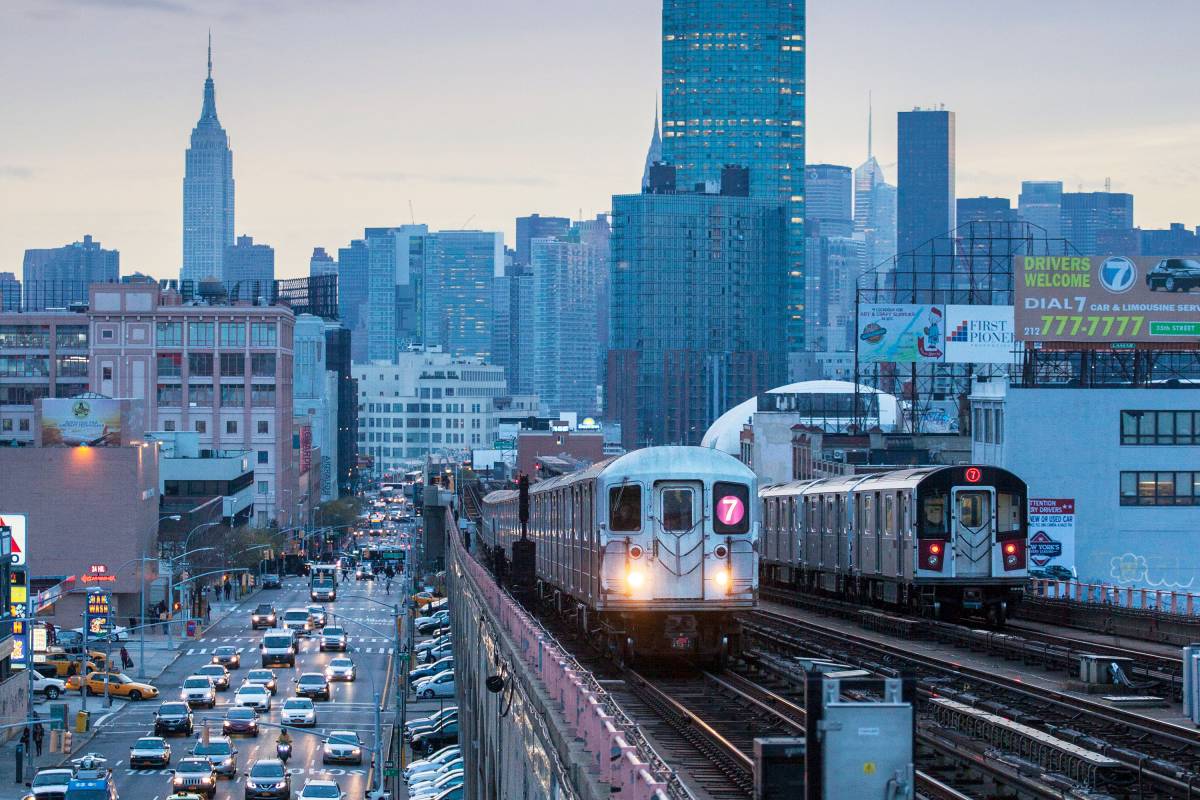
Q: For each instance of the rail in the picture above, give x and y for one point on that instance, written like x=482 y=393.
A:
x=1160 y=601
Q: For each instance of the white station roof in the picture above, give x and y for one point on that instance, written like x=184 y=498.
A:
x=725 y=433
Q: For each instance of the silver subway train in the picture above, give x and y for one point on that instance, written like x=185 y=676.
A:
x=655 y=550
x=945 y=541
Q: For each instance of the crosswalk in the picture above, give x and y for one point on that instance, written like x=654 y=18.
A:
x=232 y=641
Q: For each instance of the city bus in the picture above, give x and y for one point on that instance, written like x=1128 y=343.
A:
x=322 y=582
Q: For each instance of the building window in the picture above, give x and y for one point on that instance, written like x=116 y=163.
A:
x=231 y=426
x=233 y=396
x=262 y=365
x=263 y=487
x=264 y=456
x=264 y=427
x=170 y=395
x=200 y=334
x=1160 y=427
x=106 y=334
x=72 y=366
x=233 y=334
x=200 y=365
x=23 y=426
x=106 y=373
x=168 y=424
x=170 y=365
x=200 y=394
x=262 y=396
x=6 y=425
x=262 y=334
x=24 y=366
x=233 y=365
x=201 y=426
x=1160 y=488
x=169 y=334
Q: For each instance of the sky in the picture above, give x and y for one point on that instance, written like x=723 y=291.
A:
x=468 y=113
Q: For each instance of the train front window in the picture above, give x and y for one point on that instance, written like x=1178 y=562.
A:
x=677 y=509
x=973 y=511
x=933 y=516
x=1008 y=512
x=625 y=507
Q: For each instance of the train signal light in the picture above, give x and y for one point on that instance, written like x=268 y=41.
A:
x=523 y=498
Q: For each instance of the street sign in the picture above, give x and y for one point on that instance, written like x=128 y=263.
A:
x=504 y=444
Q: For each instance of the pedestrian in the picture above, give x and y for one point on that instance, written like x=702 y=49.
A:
x=126 y=661
x=162 y=620
x=25 y=737
x=132 y=622
x=207 y=613
x=228 y=590
x=51 y=634
x=38 y=736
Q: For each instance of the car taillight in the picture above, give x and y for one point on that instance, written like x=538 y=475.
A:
x=933 y=554
x=1012 y=553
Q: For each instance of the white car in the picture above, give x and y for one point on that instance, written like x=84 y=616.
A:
x=297 y=619
x=298 y=711
x=51 y=783
x=50 y=688
x=198 y=690
x=433 y=788
x=343 y=746
x=443 y=756
x=340 y=669
x=320 y=790
x=430 y=772
x=440 y=685
x=262 y=677
x=253 y=695
x=441 y=651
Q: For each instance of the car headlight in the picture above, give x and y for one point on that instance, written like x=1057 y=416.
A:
x=227 y=761
x=280 y=785
x=355 y=751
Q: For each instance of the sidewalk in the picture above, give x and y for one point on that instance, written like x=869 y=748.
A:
x=158 y=657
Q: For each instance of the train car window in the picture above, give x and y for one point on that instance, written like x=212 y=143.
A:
x=677 y=509
x=1008 y=512
x=625 y=507
x=933 y=516
x=731 y=507
x=889 y=503
x=973 y=509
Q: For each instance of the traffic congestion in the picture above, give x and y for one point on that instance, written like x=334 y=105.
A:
x=291 y=696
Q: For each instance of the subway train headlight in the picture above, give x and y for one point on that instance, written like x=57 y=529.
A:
x=721 y=578
x=635 y=578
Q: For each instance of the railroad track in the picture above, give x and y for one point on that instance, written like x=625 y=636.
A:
x=1157 y=758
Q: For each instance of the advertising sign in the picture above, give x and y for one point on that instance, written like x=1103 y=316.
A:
x=74 y=421
x=99 y=613
x=900 y=333
x=305 y=448
x=15 y=523
x=979 y=334
x=1051 y=532
x=1104 y=299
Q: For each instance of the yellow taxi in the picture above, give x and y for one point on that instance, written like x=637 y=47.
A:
x=67 y=664
x=424 y=598
x=119 y=685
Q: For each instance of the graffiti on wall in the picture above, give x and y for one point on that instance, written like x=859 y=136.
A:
x=1154 y=572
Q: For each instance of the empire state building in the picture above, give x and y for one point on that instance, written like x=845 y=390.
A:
x=207 y=192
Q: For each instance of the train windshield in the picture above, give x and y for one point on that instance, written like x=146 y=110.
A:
x=933 y=516
x=974 y=509
x=625 y=507
x=677 y=509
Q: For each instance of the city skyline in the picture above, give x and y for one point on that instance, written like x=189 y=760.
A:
x=319 y=158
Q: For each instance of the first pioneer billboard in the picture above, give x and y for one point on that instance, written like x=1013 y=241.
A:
x=1104 y=299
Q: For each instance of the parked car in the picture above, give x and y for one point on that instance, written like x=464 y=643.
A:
x=221 y=753
x=263 y=616
x=298 y=711
x=444 y=759
x=441 y=651
x=427 y=790
x=429 y=670
x=240 y=719
x=432 y=723
x=313 y=685
x=343 y=747
x=173 y=718
x=429 y=741
x=219 y=675
x=253 y=696
x=427 y=625
x=268 y=779
x=1174 y=275
x=341 y=669
x=195 y=775
x=333 y=638
x=262 y=677
x=149 y=751
x=227 y=657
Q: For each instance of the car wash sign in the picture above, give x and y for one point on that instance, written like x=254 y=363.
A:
x=1051 y=532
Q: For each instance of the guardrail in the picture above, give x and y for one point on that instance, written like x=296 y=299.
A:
x=616 y=752
x=1161 y=601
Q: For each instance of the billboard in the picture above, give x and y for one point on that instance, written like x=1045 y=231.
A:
x=1104 y=299
x=901 y=333
x=1051 y=532
x=305 y=448
x=12 y=533
x=979 y=334
x=70 y=422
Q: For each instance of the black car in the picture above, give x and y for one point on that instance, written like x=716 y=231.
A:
x=270 y=580
x=227 y=657
x=173 y=718
x=268 y=779
x=314 y=685
x=1174 y=275
x=429 y=741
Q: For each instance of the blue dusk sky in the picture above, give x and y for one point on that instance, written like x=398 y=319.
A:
x=343 y=112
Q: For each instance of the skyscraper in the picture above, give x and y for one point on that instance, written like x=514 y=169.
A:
x=733 y=93
x=59 y=276
x=654 y=153
x=512 y=310
x=536 y=226
x=460 y=267
x=984 y=209
x=1040 y=202
x=321 y=263
x=353 y=266
x=925 y=177
x=249 y=267
x=1085 y=214
x=10 y=292
x=207 y=192
x=828 y=192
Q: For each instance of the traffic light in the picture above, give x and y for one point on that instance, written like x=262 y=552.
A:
x=66 y=742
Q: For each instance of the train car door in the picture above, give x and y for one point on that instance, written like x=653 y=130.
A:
x=973 y=529
x=678 y=521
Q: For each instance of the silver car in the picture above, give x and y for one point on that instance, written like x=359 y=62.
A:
x=340 y=669
x=298 y=711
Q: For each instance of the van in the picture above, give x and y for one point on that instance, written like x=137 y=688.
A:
x=278 y=646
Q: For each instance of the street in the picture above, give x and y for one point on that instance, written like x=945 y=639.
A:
x=350 y=707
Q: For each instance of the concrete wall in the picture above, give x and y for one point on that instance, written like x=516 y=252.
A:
x=85 y=505
x=1065 y=443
